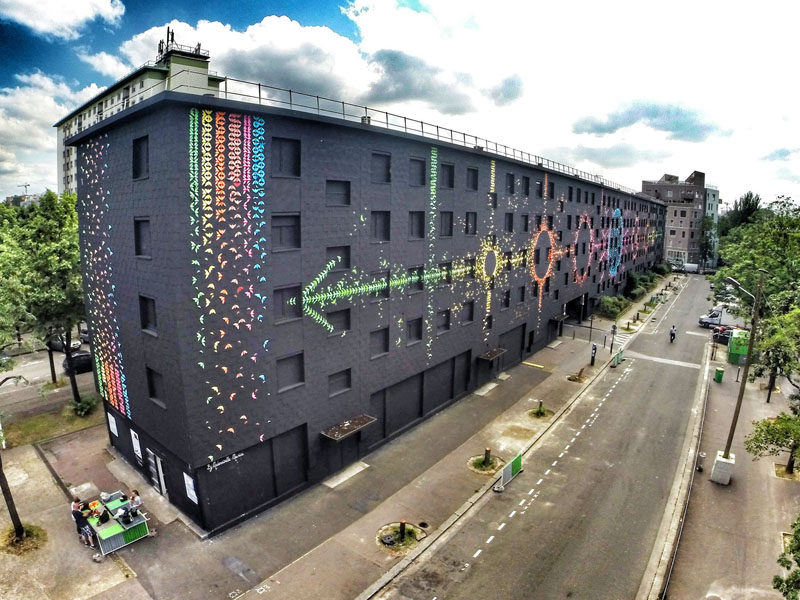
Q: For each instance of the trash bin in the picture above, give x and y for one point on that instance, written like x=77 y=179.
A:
x=700 y=463
x=718 y=374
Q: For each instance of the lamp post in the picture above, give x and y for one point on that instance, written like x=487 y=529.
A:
x=724 y=462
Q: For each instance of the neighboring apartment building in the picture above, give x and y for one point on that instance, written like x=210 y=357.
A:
x=688 y=202
x=273 y=293
x=183 y=68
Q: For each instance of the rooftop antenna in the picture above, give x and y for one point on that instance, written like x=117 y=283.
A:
x=26 y=186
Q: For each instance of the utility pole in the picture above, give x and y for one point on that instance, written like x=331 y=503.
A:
x=720 y=473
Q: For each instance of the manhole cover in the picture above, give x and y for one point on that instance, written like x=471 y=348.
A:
x=387 y=540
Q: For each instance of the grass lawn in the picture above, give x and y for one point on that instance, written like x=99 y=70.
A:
x=49 y=424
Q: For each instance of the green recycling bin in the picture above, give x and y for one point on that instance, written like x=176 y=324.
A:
x=718 y=374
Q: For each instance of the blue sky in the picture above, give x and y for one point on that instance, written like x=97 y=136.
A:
x=624 y=89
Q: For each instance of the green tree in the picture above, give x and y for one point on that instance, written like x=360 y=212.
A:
x=743 y=212
x=779 y=350
x=771 y=437
x=707 y=237
x=789 y=559
x=48 y=240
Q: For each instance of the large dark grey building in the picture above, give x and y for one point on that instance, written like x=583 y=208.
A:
x=273 y=293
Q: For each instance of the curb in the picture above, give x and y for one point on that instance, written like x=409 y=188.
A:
x=436 y=538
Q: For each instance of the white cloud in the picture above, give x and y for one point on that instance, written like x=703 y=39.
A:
x=28 y=138
x=105 y=63
x=459 y=63
x=61 y=19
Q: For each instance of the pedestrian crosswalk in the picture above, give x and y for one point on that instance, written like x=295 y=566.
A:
x=621 y=339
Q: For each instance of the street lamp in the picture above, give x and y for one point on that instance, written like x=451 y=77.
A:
x=725 y=461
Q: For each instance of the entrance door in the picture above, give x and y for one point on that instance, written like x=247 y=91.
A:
x=156 y=469
x=349 y=449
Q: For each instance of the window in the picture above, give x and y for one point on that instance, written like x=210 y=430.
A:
x=592 y=197
x=509 y=183
x=416 y=171
x=282 y=308
x=380 y=226
x=546 y=285
x=285 y=232
x=447 y=176
x=340 y=319
x=521 y=294
x=683 y=213
x=538 y=222
x=446 y=269
x=566 y=278
x=414 y=331
x=141 y=237
x=526 y=223
x=155 y=384
x=507 y=257
x=290 y=371
x=535 y=291
x=471 y=223
x=471 y=268
x=509 y=222
x=569 y=194
x=380 y=277
x=488 y=322
x=340 y=254
x=446 y=223
x=506 y=300
x=147 y=314
x=339 y=382
x=415 y=279
x=472 y=178
x=539 y=189
x=379 y=342
x=551 y=189
x=416 y=225
x=493 y=199
x=443 y=320
x=286 y=157
x=536 y=255
x=380 y=168
x=526 y=185
x=141 y=158
x=683 y=234
x=468 y=311
x=569 y=221
x=337 y=193
x=550 y=222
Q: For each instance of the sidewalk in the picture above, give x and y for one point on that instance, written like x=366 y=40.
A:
x=732 y=534
x=321 y=543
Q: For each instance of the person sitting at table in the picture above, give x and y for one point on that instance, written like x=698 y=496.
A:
x=84 y=528
x=136 y=499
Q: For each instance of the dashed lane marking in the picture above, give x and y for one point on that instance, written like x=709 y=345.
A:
x=539 y=482
x=511 y=514
x=500 y=527
x=477 y=553
x=547 y=472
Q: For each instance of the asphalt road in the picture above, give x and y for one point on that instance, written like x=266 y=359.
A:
x=580 y=521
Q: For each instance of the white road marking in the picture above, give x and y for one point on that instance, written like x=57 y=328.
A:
x=500 y=527
x=521 y=502
x=568 y=445
x=530 y=492
x=513 y=512
x=539 y=482
x=489 y=541
x=697 y=333
x=667 y=361
x=547 y=472
x=555 y=462
x=572 y=441
x=577 y=434
x=477 y=553
x=583 y=427
x=561 y=455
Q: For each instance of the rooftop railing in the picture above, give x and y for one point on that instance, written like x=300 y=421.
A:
x=266 y=95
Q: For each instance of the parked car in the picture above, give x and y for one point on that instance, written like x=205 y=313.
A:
x=81 y=361
x=723 y=336
x=714 y=317
x=57 y=345
x=83 y=330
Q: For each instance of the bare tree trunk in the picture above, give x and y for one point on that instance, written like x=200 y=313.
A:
x=76 y=396
x=771 y=384
x=52 y=364
x=790 y=464
x=19 y=530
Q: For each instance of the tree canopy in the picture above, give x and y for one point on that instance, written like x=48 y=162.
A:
x=770 y=437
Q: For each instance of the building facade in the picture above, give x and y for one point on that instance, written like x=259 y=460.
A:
x=688 y=203
x=177 y=67
x=272 y=293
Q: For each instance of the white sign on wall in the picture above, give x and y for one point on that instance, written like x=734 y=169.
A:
x=136 y=447
x=112 y=424
x=190 y=493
